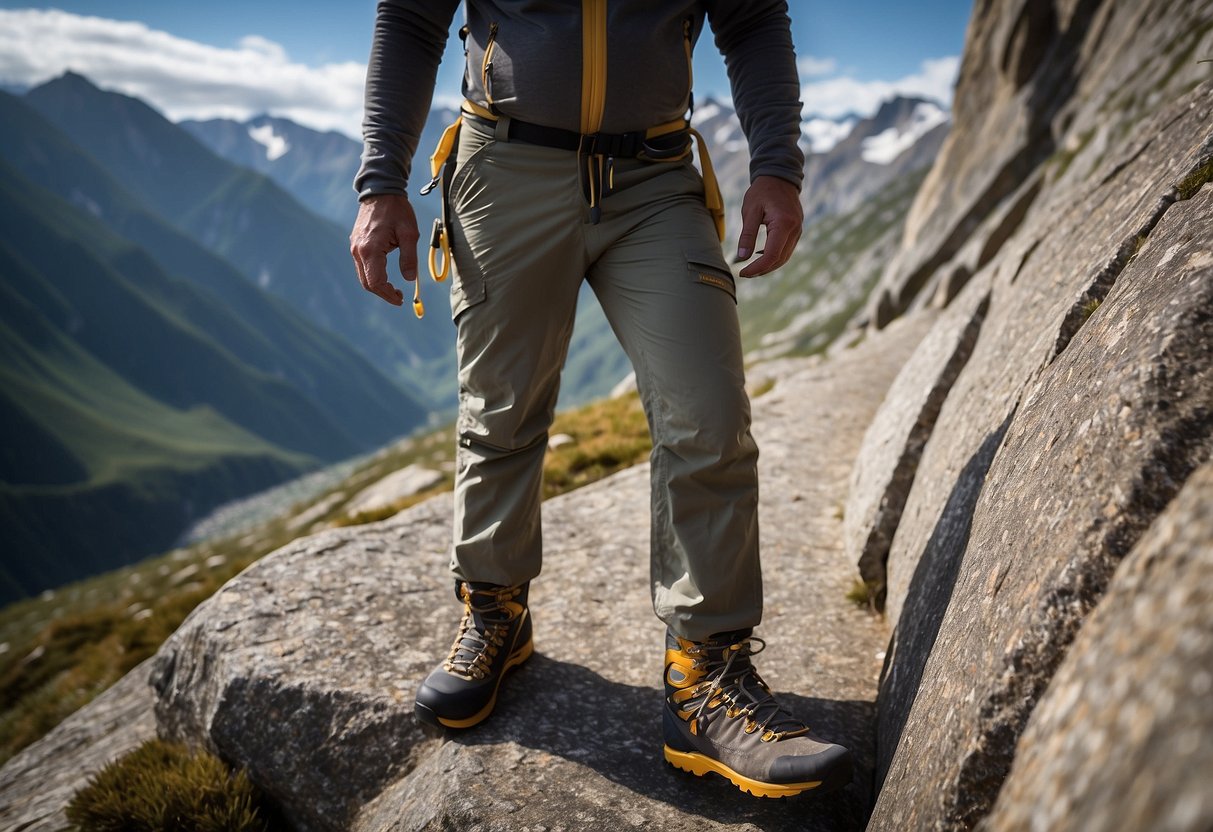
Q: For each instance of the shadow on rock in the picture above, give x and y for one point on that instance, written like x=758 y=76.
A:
x=927 y=600
x=614 y=729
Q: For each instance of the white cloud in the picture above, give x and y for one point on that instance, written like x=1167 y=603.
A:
x=833 y=97
x=187 y=79
x=811 y=67
x=183 y=78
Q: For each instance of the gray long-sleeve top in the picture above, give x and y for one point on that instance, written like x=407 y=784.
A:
x=582 y=65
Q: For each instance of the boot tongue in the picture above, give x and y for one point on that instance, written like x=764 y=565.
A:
x=719 y=648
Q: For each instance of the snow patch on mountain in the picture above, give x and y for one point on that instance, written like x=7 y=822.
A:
x=822 y=134
x=275 y=145
x=887 y=145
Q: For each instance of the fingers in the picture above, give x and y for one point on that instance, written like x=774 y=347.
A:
x=774 y=203
x=408 y=260
x=384 y=223
x=751 y=218
x=781 y=242
x=376 y=278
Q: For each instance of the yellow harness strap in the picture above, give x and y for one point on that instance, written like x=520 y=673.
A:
x=440 y=244
x=711 y=188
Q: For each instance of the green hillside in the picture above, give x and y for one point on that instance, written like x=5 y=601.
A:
x=248 y=220
x=123 y=421
x=95 y=472
x=74 y=273
x=259 y=329
x=280 y=245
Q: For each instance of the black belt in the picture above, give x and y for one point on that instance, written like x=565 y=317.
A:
x=619 y=145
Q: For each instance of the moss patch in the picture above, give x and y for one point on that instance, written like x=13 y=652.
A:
x=164 y=787
x=1195 y=180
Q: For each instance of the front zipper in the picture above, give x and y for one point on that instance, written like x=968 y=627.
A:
x=486 y=66
x=593 y=64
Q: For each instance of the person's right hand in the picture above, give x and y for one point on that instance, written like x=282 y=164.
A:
x=385 y=222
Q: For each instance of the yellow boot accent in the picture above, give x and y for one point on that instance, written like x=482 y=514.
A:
x=700 y=765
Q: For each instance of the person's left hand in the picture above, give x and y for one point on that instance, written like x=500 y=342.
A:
x=775 y=203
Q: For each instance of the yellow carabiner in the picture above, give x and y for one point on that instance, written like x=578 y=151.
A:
x=439 y=245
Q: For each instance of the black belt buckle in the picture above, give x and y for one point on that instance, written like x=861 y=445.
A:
x=618 y=145
x=664 y=147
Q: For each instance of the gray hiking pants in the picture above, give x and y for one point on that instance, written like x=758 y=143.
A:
x=523 y=243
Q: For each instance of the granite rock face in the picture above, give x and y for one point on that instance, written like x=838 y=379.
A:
x=1044 y=284
x=304 y=667
x=1133 y=701
x=1090 y=452
x=892 y=446
x=1042 y=83
x=37 y=784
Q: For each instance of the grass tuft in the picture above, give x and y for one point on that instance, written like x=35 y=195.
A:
x=863 y=594
x=1195 y=180
x=767 y=385
x=1089 y=308
x=608 y=437
x=165 y=787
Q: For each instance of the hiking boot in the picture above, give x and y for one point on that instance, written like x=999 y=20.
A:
x=721 y=717
x=494 y=636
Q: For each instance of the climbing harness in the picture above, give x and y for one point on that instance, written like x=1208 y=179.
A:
x=596 y=150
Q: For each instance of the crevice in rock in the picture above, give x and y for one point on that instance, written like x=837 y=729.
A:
x=1023 y=261
x=1052 y=87
x=1031 y=36
x=1010 y=222
x=927 y=601
x=1022 y=164
x=1131 y=158
x=1188 y=185
x=874 y=558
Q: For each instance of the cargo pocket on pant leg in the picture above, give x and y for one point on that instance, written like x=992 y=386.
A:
x=709 y=269
x=467 y=279
x=466 y=195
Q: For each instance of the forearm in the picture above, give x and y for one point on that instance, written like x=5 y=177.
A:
x=408 y=44
x=756 y=41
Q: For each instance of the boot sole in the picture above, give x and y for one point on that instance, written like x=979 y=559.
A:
x=428 y=716
x=699 y=765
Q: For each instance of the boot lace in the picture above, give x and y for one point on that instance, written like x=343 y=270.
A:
x=483 y=630
x=732 y=680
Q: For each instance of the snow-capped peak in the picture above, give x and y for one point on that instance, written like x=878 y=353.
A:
x=821 y=134
x=276 y=146
x=887 y=145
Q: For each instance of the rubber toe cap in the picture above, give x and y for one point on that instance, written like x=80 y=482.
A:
x=833 y=765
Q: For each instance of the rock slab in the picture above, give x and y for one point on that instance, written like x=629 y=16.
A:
x=1096 y=448
x=892 y=446
x=37 y=784
x=409 y=480
x=304 y=668
x=1123 y=738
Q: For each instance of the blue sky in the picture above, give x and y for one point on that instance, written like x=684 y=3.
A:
x=853 y=53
